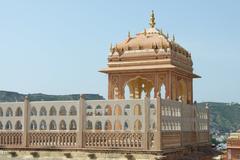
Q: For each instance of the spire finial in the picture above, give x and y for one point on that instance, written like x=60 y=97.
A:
x=173 y=38
x=129 y=35
x=152 y=20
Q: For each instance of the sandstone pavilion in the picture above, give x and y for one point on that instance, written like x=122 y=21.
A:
x=149 y=109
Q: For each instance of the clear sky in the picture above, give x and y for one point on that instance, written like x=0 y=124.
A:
x=58 y=46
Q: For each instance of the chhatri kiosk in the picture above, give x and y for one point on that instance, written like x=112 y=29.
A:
x=144 y=65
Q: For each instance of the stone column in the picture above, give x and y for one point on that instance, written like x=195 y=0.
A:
x=158 y=133
x=25 y=138
x=81 y=121
x=146 y=121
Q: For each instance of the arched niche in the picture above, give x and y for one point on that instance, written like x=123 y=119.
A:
x=138 y=87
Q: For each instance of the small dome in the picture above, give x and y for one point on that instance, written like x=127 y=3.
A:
x=151 y=38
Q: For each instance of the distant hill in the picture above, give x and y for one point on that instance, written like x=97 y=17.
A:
x=225 y=117
x=6 y=96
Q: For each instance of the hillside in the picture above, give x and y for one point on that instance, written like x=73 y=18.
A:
x=225 y=117
x=6 y=96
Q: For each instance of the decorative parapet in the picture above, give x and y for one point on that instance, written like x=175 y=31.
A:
x=139 y=124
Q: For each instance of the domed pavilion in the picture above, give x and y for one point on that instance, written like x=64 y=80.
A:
x=148 y=63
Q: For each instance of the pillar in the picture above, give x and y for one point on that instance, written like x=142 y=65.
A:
x=158 y=133
x=81 y=121
x=25 y=138
x=146 y=121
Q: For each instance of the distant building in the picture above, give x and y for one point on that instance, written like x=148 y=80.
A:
x=146 y=65
x=233 y=146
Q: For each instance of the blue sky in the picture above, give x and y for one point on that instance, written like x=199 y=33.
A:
x=57 y=47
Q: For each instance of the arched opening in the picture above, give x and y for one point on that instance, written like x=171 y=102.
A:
x=118 y=110
x=126 y=126
x=33 y=125
x=73 y=125
x=1 y=125
x=89 y=125
x=9 y=112
x=137 y=125
x=33 y=111
x=62 y=125
x=182 y=90
x=73 y=111
x=138 y=88
x=127 y=93
x=98 y=125
x=18 y=125
x=162 y=91
x=43 y=125
x=18 y=112
x=8 y=125
x=127 y=110
x=108 y=125
x=52 y=125
x=137 y=110
x=62 y=111
x=89 y=110
x=43 y=111
x=108 y=110
x=1 y=112
x=98 y=111
x=53 y=111
x=117 y=125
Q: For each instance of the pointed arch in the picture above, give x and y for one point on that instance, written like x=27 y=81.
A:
x=73 y=125
x=18 y=112
x=108 y=110
x=118 y=110
x=108 y=125
x=137 y=125
x=43 y=111
x=53 y=111
x=89 y=125
x=1 y=112
x=98 y=110
x=33 y=111
x=62 y=125
x=62 y=111
x=127 y=110
x=98 y=125
x=52 y=125
x=126 y=125
x=33 y=125
x=117 y=125
x=9 y=112
x=137 y=109
x=43 y=125
x=73 y=111
x=89 y=110
x=8 y=125
x=162 y=90
x=18 y=125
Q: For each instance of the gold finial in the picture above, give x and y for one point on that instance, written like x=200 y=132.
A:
x=173 y=38
x=145 y=31
x=129 y=35
x=111 y=47
x=152 y=20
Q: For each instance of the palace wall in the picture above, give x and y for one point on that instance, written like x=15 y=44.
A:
x=137 y=124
